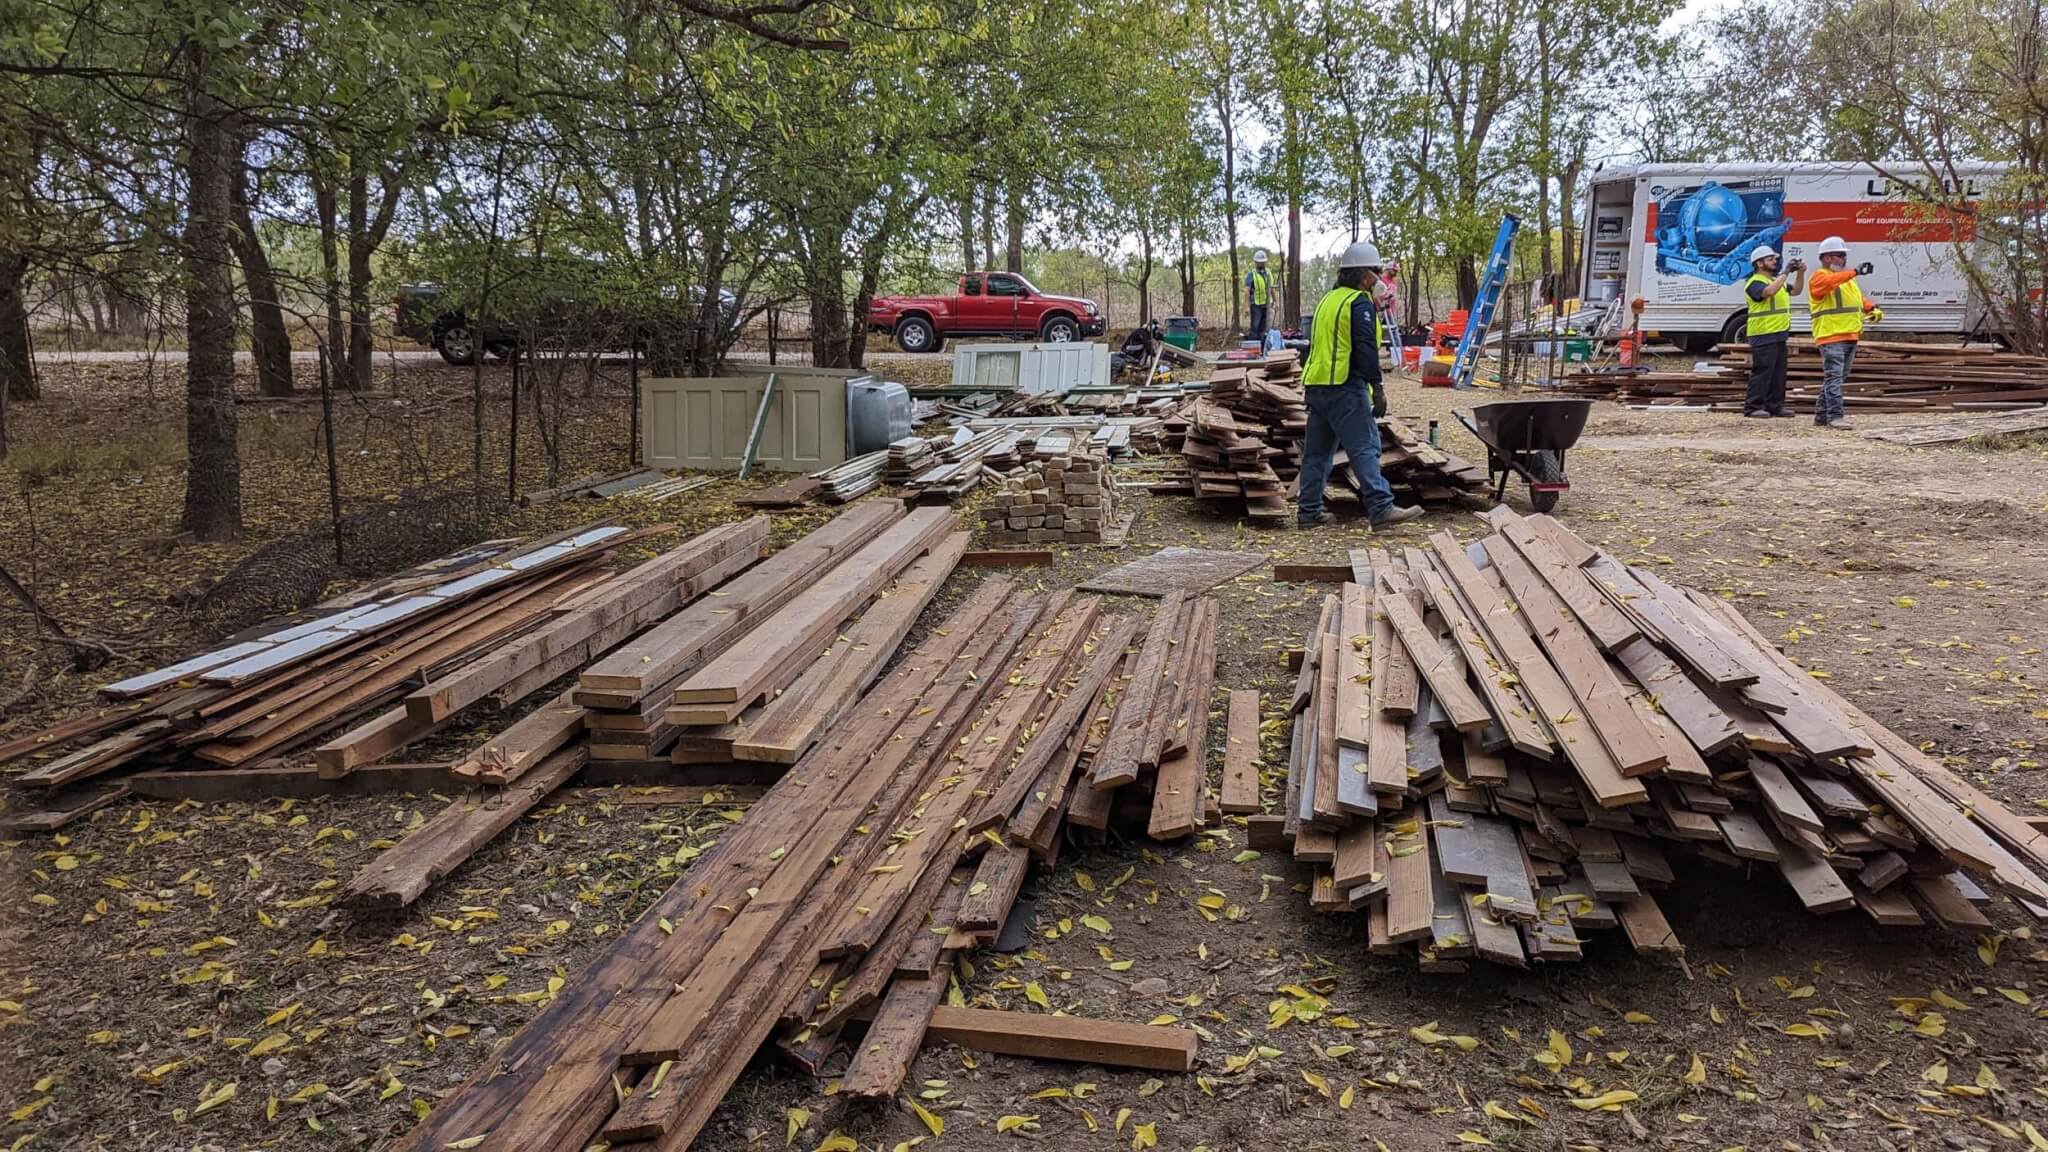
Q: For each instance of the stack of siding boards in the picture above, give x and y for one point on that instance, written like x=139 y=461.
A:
x=828 y=918
x=451 y=624
x=1500 y=749
x=819 y=617
x=1885 y=376
x=1067 y=499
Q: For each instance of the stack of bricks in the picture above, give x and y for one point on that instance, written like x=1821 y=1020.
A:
x=1064 y=500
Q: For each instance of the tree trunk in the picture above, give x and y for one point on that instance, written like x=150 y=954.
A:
x=359 y=246
x=1291 y=291
x=1227 y=114
x=269 y=344
x=17 y=369
x=1187 y=268
x=967 y=262
x=988 y=232
x=1568 y=233
x=825 y=284
x=213 y=467
x=1013 y=260
x=1145 y=276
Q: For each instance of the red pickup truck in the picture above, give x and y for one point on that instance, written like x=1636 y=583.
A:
x=988 y=304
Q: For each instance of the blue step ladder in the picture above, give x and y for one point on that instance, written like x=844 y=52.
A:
x=1492 y=279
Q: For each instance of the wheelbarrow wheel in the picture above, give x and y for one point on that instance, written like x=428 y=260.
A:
x=1546 y=466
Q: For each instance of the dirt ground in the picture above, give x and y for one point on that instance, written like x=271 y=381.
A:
x=172 y=977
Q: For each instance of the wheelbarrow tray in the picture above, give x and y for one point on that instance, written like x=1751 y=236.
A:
x=1513 y=426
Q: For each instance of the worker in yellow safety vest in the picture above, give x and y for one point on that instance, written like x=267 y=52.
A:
x=1769 y=325
x=1258 y=287
x=1839 y=310
x=1342 y=386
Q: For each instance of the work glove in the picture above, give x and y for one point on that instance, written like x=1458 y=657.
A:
x=1877 y=315
x=1379 y=400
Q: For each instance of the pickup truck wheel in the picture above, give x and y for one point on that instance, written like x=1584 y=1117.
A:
x=1060 y=330
x=917 y=335
x=455 y=345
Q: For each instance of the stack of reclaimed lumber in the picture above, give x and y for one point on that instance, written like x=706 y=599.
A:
x=1886 y=376
x=264 y=694
x=812 y=642
x=1499 y=749
x=901 y=837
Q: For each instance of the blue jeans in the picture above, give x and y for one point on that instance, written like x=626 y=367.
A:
x=1258 y=330
x=1834 y=372
x=1341 y=414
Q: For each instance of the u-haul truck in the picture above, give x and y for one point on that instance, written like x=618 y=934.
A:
x=1679 y=236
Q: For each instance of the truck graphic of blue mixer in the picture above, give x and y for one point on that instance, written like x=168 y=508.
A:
x=1708 y=230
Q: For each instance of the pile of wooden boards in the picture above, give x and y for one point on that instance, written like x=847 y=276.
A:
x=687 y=687
x=901 y=838
x=1068 y=499
x=1500 y=748
x=261 y=695
x=1243 y=447
x=1885 y=376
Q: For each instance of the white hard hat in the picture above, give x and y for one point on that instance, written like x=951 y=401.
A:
x=1260 y=255
x=1834 y=244
x=1763 y=252
x=1361 y=254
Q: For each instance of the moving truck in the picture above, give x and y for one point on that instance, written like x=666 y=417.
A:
x=1679 y=236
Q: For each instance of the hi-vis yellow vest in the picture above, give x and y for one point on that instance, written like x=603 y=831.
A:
x=1329 y=339
x=1262 y=288
x=1840 y=313
x=1771 y=314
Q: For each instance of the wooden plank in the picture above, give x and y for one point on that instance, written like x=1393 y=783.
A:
x=1816 y=884
x=1747 y=837
x=1073 y=1038
x=1009 y=558
x=88 y=727
x=1699 y=653
x=1705 y=725
x=996 y=883
x=789 y=724
x=1394 y=678
x=1510 y=709
x=1171 y=693
x=371 y=741
x=674 y=646
x=1610 y=881
x=1411 y=904
x=1881 y=870
x=1328 y=810
x=60 y=810
x=1492 y=937
x=1352 y=865
x=1636 y=752
x=1240 y=791
x=1649 y=933
x=1781 y=797
x=883 y=1058
x=1945 y=903
x=506 y=756
x=1315 y=845
x=1567 y=543
x=1609 y=627
x=1117 y=763
x=1482 y=851
x=1177 y=788
x=1450 y=934
x=1387 y=741
x=1891 y=907
x=1354 y=667
x=1549 y=694
x=1311 y=573
x=399 y=875
x=1443 y=670
x=803 y=625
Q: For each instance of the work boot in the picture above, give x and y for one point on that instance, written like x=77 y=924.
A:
x=1314 y=520
x=1840 y=425
x=1758 y=414
x=1397 y=515
x=1781 y=414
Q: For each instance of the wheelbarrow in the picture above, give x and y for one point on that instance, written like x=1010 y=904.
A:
x=1528 y=438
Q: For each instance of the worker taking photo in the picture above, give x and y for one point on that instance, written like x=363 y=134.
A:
x=1839 y=311
x=1258 y=288
x=1342 y=386
x=1769 y=327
